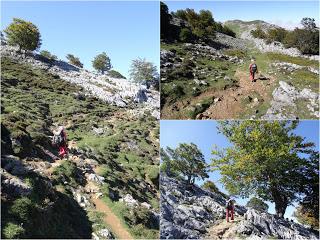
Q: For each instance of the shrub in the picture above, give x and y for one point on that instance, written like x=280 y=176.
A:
x=258 y=33
x=24 y=34
x=22 y=209
x=186 y=35
x=67 y=172
x=210 y=186
x=48 y=55
x=115 y=74
x=74 y=60
x=257 y=204
x=13 y=231
x=276 y=34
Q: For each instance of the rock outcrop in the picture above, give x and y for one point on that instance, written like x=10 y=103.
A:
x=120 y=92
x=189 y=212
x=286 y=97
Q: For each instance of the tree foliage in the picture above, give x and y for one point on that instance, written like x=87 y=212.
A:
x=267 y=159
x=74 y=60
x=48 y=55
x=24 y=34
x=305 y=39
x=257 y=204
x=210 y=186
x=145 y=72
x=186 y=160
x=102 y=63
x=306 y=217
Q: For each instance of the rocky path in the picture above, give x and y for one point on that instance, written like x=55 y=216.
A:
x=229 y=103
x=222 y=230
x=111 y=219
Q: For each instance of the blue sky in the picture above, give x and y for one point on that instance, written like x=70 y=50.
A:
x=284 y=13
x=204 y=134
x=124 y=30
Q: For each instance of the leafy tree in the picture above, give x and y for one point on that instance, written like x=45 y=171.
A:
x=267 y=159
x=165 y=20
x=309 y=23
x=102 y=63
x=187 y=160
x=257 y=204
x=308 y=210
x=143 y=71
x=48 y=55
x=24 y=34
x=74 y=60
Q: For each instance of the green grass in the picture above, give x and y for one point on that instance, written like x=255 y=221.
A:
x=30 y=115
x=296 y=60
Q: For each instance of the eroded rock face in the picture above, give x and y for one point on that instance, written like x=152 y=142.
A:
x=258 y=225
x=186 y=212
x=287 y=96
x=120 y=92
x=189 y=212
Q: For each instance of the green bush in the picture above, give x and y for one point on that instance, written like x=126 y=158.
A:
x=257 y=204
x=74 y=60
x=22 y=209
x=67 y=172
x=13 y=231
x=48 y=55
x=186 y=35
x=258 y=33
x=210 y=186
x=115 y=74
x=276 y=34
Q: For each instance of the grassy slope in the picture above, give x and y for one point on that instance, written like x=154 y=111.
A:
x=32 y=101
x=301 y=79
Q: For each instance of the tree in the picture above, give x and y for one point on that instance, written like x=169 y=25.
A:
x=276 y=34
x=165 y=20
x=48 y=55
x=309 y=23
x=267 y=159
x=308 y=210
x=24 y=34
x=74 y=60
x=257 y=204
x=102 y=63
x=145 y=72
x=187 y=160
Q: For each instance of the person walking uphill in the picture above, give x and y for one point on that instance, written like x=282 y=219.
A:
x=253 y=69
x=60 y=140
x=230 y=209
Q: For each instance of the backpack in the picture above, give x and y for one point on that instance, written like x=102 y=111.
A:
x=254 y=67
x=57 y=139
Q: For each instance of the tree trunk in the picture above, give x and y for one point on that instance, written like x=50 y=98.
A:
x=189 y=179
x=281 y=202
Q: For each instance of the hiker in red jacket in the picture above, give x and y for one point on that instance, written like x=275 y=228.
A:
x=230 y=209
x=253 y=69
x=60 y=140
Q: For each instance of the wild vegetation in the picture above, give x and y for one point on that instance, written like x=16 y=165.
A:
x=39 y=200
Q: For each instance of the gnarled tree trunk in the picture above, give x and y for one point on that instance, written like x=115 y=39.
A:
x=280 y=201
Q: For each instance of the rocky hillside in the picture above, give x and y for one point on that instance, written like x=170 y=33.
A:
x=210 y=80
x=108 y=185
x=191 y=212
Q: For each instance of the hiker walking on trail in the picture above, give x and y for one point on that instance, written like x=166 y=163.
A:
x=60 y=140
x=253 y=69
x=230 y=209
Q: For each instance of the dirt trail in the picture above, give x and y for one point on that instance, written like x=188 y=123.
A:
x=231 y=100
x=111 y=219
x=222 y=230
